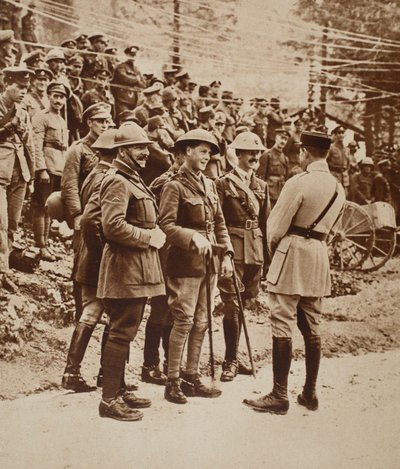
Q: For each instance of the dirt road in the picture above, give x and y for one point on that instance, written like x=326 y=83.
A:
x=357 y=426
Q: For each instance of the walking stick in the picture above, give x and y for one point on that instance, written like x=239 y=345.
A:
x=209 y=316
x=242 y=317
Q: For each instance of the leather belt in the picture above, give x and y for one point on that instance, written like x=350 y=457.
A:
x=248 y=225
x=208 y=227
x=55 y=145
x=307 y=233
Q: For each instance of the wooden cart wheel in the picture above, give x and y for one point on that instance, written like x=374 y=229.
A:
x=382 y=250
x=354 y=238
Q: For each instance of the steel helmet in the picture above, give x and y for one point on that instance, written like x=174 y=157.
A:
x=130 y=133
x=105 y=140
x=247 y=141
x=200 y=136
x=55 y=206
x=367 y=161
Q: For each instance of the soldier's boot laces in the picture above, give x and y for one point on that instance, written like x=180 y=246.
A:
x=193 y=387
x=153 y=375
x=173 y=392
x=118 y=409
x=229 y=370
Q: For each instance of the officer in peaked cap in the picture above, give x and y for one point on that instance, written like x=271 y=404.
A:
x=6 y=48
x=36 y=99
x=339 y=158
x=152 y=98
x=82 y=41
x=129 y=218
x=100 y=92
x=94 y=59
x=245 y=204
x=69 y=43
x=170 y=75
x=131 y=51
x=16 y=156
x=33 y=59
x=298 y=278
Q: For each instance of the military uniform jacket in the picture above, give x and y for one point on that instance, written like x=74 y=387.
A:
x=300 y=266
x=91 y=242
x=34 y=103
x=361 y=188
x=94 y=96
x=381 y=189
x=130 y=267
x=80 y=159
x=131 y=79
x=274 y=168
x=16 y=144
x=339 y=163
x=50 y=137
x=229 y=131
x=189 y=204
x=245 y=215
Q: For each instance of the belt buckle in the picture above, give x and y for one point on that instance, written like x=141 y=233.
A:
x=250 y=224
x=209 y=227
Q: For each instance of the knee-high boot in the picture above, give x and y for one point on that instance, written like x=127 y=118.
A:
x=308 y=397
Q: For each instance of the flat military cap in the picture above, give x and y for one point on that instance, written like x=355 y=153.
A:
x=97 y=36
x=57 y=87
x=98 y=111
x=282 y=132
x=160 y=84
x=192 y=83
x=131 y=50
x=384 y=162
x=111 y=51
x=367 y=161
x=338 y=129
x=81 y=37
x=20 y=75
x=151 y=90
x=68 y=43
x=227 y=95
x=75 y=59
x=220 y=117
x=55 y=54
x=275 y=100
x=206 y=111
x=105 y=140
x=316 y=139
x=103 y=72
x=32 y=57
x=182 y=74
x=170 y=71
x=169 y=94
x=6 y=35
x=215 y=82
x=43 y=73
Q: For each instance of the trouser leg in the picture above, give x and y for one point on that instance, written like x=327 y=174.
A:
x=4 y=251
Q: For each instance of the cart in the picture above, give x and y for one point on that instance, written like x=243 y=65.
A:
x=365 y=237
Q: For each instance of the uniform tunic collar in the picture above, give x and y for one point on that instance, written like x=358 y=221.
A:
x=126 y=169
x=321 y=165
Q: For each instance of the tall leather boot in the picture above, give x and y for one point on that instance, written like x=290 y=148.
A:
x=277 y=401
x=231 y=335
x=72 y=378
x=104 y=339
x=151 y=372
x=308 y=397
x=167 y=328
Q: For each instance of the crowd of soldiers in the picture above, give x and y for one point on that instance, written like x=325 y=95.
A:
x=168 y=186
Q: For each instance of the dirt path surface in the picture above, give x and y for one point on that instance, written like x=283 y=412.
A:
x=357 y=426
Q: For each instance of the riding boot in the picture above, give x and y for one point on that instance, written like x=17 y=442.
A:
x=72 y=378
x=152 y=341
x=277 y=401
x=104 y=339
x=231 y=335
x=308 y=397
x=114 y=359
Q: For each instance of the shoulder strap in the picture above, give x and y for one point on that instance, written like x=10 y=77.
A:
x=236 y=180
x=325 y=210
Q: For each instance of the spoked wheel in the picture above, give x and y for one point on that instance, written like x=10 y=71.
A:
x=354 y=239
x=382 y=250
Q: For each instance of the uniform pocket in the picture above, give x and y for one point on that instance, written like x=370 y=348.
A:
x=193 y=211
x=278 y=261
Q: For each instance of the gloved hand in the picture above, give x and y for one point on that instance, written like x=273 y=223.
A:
x=157 y=238
x=202 y=244
x=226 y=266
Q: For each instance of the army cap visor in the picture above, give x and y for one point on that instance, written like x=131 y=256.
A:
x=97 y=111
x=20 y=75
x=316 y=140
x=56 y=87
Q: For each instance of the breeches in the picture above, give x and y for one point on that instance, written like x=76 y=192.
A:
x=125 y=317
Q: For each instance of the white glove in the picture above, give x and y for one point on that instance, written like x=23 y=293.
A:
x=202 y=244
x=157 y=238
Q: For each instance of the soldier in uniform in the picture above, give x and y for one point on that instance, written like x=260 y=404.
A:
x=260 y=120
x=6 y=48
x=94 y=59
x=381 y=189
x=50 y=136
x=338 y=158
x=17 y=165
x=152 y=98
x=100 y=92
x=274 y=166
x=299 y=277
x=74 y=68
x=275 y=121
x=192 y=219
x=68 y=44
x=36 y=99
x=130 y=270
x=245 y=204
x=80 y=159
x=112 y=58
x=169 y=76
x=361 y=183
x=127 y=81
x=87 y=271
x=82 y=41
x=226 y=107
x=33 y=59
x=55 y=60
x=214 y=91
x=175 y=121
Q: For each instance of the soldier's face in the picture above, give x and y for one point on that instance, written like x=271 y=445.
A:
x=98 y=126
x=99 y=45
x=76 y=69
x=136 y=155
x=197 y=157
x=102 y=82
x=41 y=84
x=8 y=48
x=248 y=159
x=57 y=101
x=56 y=65
x=16 y=92
x=280 y=141
x=366 y=169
